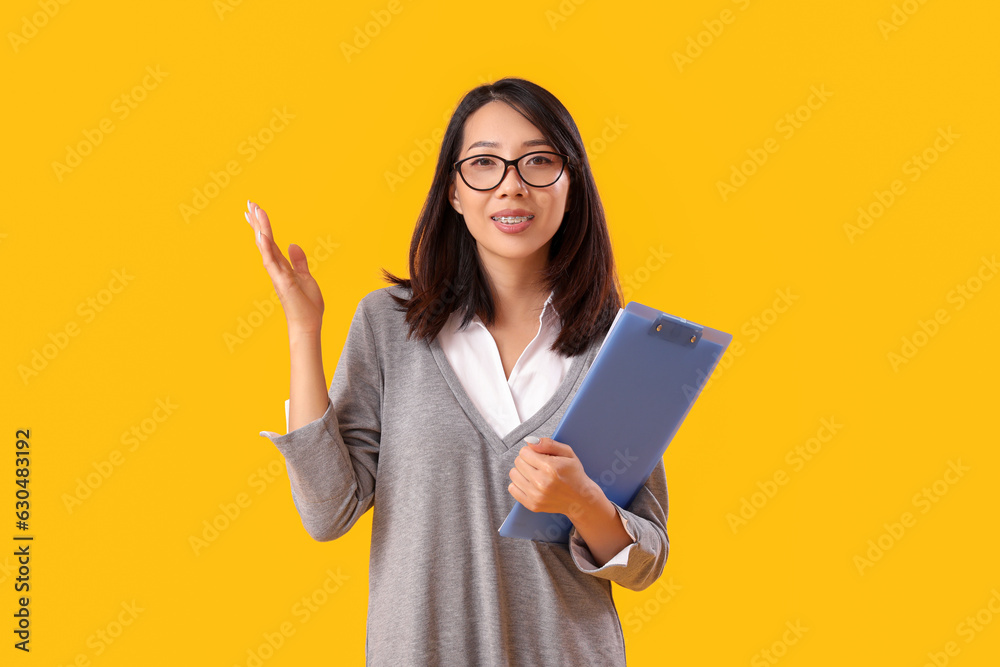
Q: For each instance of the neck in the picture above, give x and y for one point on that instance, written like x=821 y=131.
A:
x=520 y=294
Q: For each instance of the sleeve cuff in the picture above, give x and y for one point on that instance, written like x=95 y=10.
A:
x=584 y=560
x=314 y=430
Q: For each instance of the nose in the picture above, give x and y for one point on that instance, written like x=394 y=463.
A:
x=511 y=182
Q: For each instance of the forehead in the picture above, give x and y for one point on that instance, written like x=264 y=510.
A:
x=497 y=126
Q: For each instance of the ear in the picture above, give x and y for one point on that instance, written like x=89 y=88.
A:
x=453 y=198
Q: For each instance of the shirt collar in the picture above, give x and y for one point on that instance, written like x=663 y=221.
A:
x=548 y=311
x=548 y=306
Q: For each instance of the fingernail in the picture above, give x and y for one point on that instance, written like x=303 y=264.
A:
x=247 y=216
x=258 y=236
x=532 y=440
x=248 y=205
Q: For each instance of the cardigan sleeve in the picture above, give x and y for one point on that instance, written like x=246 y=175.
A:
x=331 y=461
x=646 y=523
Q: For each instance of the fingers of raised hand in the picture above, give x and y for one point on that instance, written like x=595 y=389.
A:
x=298 y=259
x=258 y=219
x=262 y=228
x=278 y=267
x=251 y=216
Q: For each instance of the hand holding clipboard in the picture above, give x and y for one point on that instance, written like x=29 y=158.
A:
x=641 y=385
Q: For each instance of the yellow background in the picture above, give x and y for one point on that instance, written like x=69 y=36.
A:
x=661 y=136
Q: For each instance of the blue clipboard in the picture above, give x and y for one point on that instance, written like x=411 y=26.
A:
x=647 y=374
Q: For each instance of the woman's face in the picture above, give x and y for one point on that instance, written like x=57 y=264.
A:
x=509 y=135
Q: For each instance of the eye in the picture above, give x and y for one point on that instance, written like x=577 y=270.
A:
x=540 y=159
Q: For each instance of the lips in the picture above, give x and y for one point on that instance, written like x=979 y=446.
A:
x=512 y=213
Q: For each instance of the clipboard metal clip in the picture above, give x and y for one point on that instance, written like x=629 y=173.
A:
x=676 y=330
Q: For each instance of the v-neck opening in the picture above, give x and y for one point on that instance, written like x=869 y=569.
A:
x=496 y=346
x=498 y=358
x=501 y=445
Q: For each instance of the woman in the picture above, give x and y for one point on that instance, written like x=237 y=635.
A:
x=512 y=290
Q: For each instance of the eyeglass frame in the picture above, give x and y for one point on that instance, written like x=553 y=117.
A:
x=506 y=166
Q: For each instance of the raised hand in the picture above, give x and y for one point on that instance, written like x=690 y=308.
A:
x=296 y=288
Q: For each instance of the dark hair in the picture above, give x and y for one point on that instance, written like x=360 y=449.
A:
x=445 y=272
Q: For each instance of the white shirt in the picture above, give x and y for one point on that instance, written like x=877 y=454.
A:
x=506 y=402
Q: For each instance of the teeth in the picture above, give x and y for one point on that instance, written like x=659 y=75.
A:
x=511 y=220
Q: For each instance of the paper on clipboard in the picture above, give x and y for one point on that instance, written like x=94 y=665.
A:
x=648 y=372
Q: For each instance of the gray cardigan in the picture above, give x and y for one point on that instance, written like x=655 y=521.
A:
x=444 y=587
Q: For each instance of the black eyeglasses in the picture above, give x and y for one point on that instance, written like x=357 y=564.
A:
x=538 y=169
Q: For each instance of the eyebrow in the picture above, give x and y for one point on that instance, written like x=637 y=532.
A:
x=494 y=144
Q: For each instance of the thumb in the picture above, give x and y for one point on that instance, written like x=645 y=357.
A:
x=543 y=445
x=298 y=258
